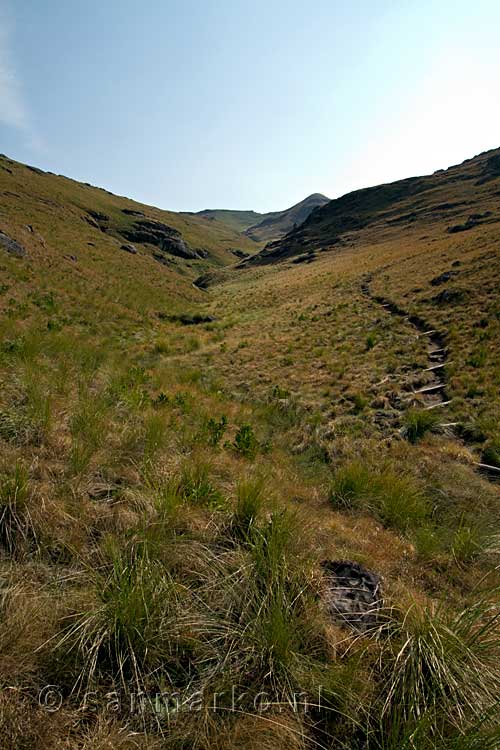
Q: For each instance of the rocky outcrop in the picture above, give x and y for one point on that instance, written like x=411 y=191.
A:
x=187 y=319
x=351 y=594
x=132 y=212
x=98 y=216
x=97 y=220
x=166 y=238
x=12 y=246
x=443 y=278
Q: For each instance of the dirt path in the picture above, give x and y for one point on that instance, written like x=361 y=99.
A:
x=433 y=395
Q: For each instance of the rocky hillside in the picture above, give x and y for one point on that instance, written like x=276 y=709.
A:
x=278 y=223
x=456 y=199
x=264 y=227
x=73 y=217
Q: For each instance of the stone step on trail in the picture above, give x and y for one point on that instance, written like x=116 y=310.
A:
x=435 y=406
x=430 y=388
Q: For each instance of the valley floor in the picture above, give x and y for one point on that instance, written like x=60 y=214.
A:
x=170 y=493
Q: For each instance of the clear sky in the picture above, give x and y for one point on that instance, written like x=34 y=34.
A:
x=191 y=104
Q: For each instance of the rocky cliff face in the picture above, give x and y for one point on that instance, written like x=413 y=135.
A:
x=166 y=238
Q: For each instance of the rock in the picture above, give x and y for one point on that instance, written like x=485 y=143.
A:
x=472 y=221
x=239 y=253
x=305 y=258
x=351 y=594
x=456 y=263
x=98 y=216
x=187 y=319
x=12 y=246
x=168 y=239
x=205 y=280
x=443 y=278
x=129 y=249
x=132 y=212
x=93 y=223
x=72 y=258
x=449 y=296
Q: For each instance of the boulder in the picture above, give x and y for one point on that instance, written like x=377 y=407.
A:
x=12 y=246
x=351 y=594
x=129 y=249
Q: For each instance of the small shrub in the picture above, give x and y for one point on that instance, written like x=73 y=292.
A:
x=370 y=341
x=216 y=430
x=245 y=442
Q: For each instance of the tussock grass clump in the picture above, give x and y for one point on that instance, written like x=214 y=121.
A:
x=15 y=521
x=249 y=504
x=127 y=625
x=196 y=485
x=417 y=422
x=395 y=498
x=439 y=672
x=491 y=452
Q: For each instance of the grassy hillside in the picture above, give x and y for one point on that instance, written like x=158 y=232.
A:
x=65 y=211
x=279 y=223
x=182 y=473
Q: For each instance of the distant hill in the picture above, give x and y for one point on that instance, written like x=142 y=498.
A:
x=279 y=223
x=460 y=198
x=236 y=220
x=264 y=227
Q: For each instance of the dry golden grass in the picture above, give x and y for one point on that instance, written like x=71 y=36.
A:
x=221 y=464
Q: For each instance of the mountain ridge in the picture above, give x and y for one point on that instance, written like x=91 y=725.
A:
x=267 y=226
x=442 y=194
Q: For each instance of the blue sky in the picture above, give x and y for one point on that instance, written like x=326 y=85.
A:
x=229 y=104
